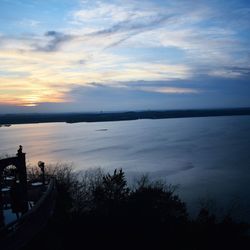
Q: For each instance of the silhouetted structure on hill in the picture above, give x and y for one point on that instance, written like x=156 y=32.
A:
x=19 y=185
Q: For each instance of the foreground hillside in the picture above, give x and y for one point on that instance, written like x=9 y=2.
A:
x=99 y=211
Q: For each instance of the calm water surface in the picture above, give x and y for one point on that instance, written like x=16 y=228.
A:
x=208 y=157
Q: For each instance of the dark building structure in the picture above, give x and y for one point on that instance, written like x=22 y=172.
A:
x=20 y=182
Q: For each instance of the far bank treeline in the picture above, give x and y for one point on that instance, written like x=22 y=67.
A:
x=117 y=116
x=95 y=210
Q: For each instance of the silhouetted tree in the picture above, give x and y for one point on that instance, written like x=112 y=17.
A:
x=110 y=194
x=158 y=200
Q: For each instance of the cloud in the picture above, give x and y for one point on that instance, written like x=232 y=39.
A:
x=200 y=30
x=120 y=44
x=104 y=12
x=29 y=22
x=171 y=90
x=231 y=72
x=55 y=40
x=162 y=87
x=132 y=25
x=95 y=96
x=212 y=93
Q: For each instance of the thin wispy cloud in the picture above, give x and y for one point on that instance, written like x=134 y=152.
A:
x=55 y=39
x=171 y=90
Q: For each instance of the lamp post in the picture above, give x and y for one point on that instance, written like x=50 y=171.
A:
x=41 y=165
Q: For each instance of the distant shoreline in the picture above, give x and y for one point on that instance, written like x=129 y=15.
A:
x=11 y=119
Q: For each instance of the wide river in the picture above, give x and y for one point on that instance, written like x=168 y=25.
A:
x=209 y=158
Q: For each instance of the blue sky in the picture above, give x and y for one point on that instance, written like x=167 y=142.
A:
x=81 y=55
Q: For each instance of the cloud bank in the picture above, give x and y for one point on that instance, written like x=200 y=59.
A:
x=48 y=50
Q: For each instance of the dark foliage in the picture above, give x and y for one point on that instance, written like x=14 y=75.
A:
x=100 y=211
x=111 y=193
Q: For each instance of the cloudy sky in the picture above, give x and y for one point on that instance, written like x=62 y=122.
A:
x=80 y=55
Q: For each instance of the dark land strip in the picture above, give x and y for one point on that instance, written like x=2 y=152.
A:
x=9 y=119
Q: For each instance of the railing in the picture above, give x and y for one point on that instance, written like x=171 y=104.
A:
x=18 y=233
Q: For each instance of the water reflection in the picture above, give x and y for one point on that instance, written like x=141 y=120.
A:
x=208 y=157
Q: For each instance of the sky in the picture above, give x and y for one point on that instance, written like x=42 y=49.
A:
x=113 y=55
